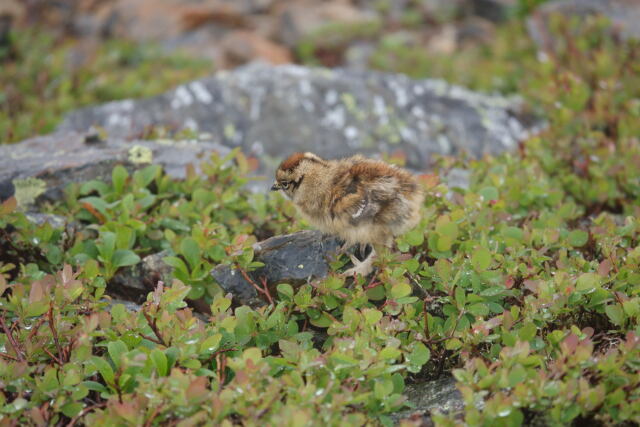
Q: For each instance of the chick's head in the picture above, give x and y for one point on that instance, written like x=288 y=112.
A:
x=292 y=170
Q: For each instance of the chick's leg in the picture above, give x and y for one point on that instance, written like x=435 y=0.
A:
x=362 y=268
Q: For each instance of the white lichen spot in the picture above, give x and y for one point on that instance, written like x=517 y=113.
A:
x=182 y=98
x=127 y=104
x=331 y=97
x=407 y=134
x=335 y=118
x=301 y=266
x=305 y=87
x=417 y=111
x=114 y=119
x=257 y=148
x=308 y=105
x=191 y=124
x=351 y=132
x=379 y=107
x=139 y=154
x=201 y=92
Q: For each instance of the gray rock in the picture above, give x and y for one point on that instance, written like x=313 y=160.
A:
x=273 y=111
x=55 y=221
x=132 y=307
x=135 y=282
x=440 y=394
x=291 y=258
x=623 y=14
x=494 y=10
x=65 y=157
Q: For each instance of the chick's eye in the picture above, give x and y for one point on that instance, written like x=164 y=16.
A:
x=285 y=184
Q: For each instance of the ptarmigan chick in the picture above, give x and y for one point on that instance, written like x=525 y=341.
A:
x=357 y=199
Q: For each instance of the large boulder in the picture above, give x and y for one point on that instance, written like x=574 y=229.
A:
x=273 y=111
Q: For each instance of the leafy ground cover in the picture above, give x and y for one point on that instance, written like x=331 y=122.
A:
x=42 y=78
x=526 y=286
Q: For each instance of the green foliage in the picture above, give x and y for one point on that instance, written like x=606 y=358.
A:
x=496 y=67
x=334 y=36
x=43 y=81
x=526 y=286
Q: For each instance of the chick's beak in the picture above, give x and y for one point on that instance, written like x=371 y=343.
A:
x=275 y=187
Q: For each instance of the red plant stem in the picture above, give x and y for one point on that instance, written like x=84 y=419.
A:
x=12 y=340
x=55 y=334
x=154 y=327
x=84 y=412
x=264 y=290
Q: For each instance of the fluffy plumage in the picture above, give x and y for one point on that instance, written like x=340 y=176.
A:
x=360 y=200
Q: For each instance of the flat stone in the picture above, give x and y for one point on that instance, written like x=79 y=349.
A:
x=66 y=157
x=273 y=111
x=291 y=258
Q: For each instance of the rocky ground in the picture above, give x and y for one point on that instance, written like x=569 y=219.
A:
x=339 y=32
x=270 y=109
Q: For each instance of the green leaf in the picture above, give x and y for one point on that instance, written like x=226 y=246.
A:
x=578 y=238
x=95 y=386
x=119 y=177
x=37 y=308
x=176 y=263
x=97 y=203
x=371 y=315
x=481 y=259
x=588 y=282
x=514 y=233
x=71 y=409
x=444 y=243
x=400 y=290
x=160 y=362
x=105 y=369
x=107 y=245
x=478 y=309
x=285 y=290
x=94 y=185
x=116 y=350
x=145 y=176
x=615 y=313
x=528 y=331
x=517 y=375
x=453 y=344
x=382 y=387
x=489 y=193
x=125 y=238
x=415 y=237
x=191 y=251
x=211 y=343
x=124 y=258
x=419 y=355
x=388 y=353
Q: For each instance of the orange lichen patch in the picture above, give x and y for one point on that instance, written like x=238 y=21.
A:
x=292 y=161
